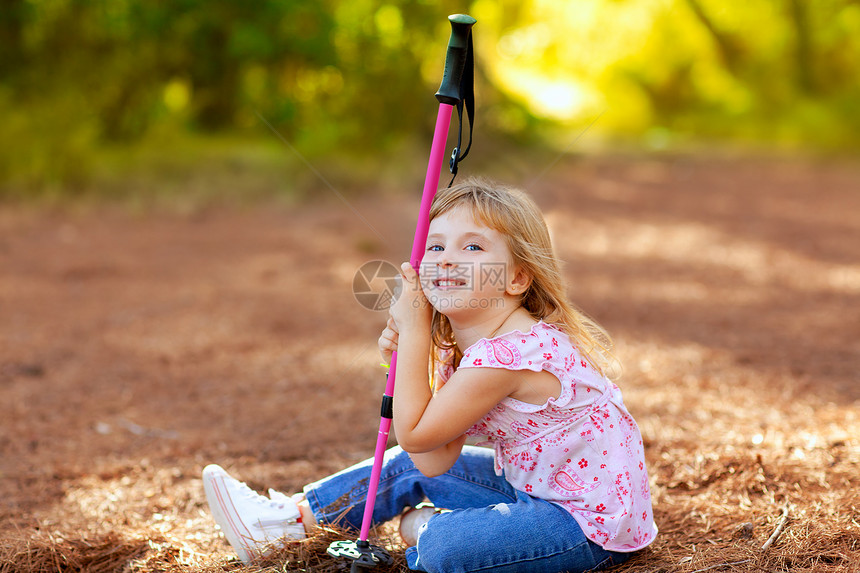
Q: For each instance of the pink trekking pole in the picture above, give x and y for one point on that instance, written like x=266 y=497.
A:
x=458 y=68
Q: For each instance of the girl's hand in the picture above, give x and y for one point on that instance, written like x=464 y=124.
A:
x=411 y=309
x=388 y=340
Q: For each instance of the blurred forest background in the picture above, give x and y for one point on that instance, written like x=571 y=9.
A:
x=117 y=97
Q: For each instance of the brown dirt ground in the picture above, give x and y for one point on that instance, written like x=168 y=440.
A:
x=137 y=348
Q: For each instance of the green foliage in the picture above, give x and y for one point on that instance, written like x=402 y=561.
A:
x=773 y=71
x=79 y=78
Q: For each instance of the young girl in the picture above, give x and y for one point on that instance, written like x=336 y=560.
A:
x=564 y=487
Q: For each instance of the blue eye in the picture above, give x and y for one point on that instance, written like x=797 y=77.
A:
x=435 y=248
x=474 y=248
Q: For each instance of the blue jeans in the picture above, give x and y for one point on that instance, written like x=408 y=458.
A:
x=492 y=526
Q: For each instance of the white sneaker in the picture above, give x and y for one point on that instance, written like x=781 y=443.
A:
x=250 y=521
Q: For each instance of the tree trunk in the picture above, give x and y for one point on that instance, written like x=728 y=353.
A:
x=803 y=46
x=11 y=35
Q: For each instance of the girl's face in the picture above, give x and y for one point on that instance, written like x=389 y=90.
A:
x=467 y=266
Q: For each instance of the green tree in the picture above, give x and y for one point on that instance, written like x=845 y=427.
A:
x=336 y=76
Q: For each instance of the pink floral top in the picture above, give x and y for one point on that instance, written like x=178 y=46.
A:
x=581 y=450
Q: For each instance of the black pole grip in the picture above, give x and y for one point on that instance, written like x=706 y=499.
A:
x=455 y=59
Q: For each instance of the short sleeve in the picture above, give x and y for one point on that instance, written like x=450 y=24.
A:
x=544 y=347
x=513 y=351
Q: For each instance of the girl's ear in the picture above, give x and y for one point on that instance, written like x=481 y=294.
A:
x=519 y=282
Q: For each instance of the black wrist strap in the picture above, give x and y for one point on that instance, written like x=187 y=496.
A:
x=467 y=101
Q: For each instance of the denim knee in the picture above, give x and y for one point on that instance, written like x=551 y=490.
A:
x=433 y=550
x=440 y=549
x=484 y=540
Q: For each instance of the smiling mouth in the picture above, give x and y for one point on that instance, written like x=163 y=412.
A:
x=443 y=283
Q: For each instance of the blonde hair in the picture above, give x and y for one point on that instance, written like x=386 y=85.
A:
x=516 y=216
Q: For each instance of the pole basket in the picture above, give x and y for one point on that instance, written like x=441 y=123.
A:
x=362 y=554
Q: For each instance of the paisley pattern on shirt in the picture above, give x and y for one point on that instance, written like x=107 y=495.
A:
x=582 y=450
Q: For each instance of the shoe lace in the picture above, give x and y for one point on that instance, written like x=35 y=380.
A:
x=276 y=502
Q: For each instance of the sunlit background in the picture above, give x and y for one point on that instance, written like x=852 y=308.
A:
x=696 y=160
x=118 y=96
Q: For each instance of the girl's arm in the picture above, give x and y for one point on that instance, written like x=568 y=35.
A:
x=440 y=460
x=425 y=423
